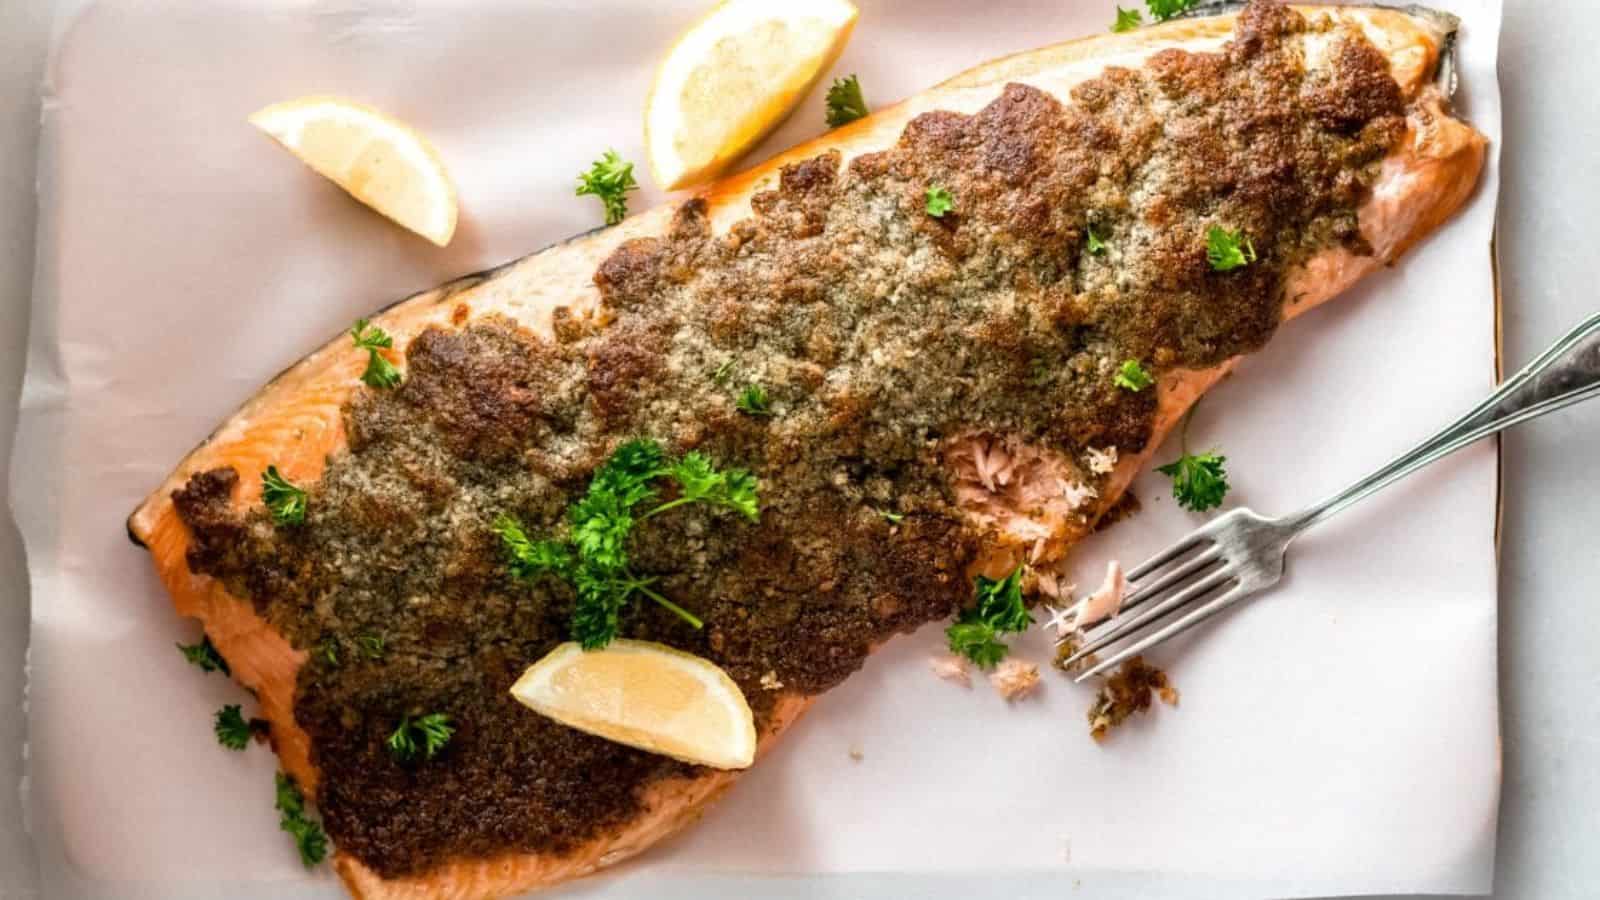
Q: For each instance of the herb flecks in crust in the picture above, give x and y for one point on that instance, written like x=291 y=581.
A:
x=879 y=334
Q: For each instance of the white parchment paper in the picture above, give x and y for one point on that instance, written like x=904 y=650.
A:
x=1339 y=736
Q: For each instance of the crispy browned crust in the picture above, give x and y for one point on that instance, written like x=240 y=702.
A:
x=1430 y=175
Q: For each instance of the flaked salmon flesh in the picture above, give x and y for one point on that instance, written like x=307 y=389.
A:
x=1033 y=502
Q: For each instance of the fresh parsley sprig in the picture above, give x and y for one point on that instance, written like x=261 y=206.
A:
x=205 y=656
x=380 y=373
x=422 y=737
x=1131 y=376
x=1228 y=250
x=610 y=179
x=232 y=730
x=593 y=557
x=1199 y=482
x=286 y=502
x=307 y=834
x=846 y=102
x=999 y=610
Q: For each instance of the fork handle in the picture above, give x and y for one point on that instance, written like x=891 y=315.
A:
x=1566 y=373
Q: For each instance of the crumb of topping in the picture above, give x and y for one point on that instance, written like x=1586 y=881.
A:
x=855 y=753
x=1067 y=646
x=1101 y=462
x=951 y=668
x=1127 y=692
x=770 y=682
x=1015 y=679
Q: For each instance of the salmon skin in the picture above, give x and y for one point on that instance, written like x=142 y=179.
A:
x=958 y=369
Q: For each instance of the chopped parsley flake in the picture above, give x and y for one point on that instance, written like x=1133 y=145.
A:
x=308 y=836
x=423 y=736
x=610 y=179
x=999 y=610
x=1199 y=482
x=1228 y=250
x=232 y=730
x=205 y=656
x=754 y=401
x=286 y=502
x=1127 y=20
x=370 y=645
x=938 y=201
x=845 y=102
x=1096 y=245
x=380 y=373
x=1131 y=376
x=1162 y=10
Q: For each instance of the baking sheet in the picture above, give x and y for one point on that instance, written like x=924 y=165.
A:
x=1339 y=737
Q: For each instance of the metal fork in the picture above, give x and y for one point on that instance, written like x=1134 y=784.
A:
x=1241 y=553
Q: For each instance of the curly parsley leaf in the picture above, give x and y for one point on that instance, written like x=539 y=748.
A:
x=1228 y=250
x=380 y=373
x=308 y=836
x=1127 y=20
x=1162 y=10
x=610 y=179
x=601 y=523
x=1131 y=376
x=422 y=737
x=530 y=558
x=205 y=656
x=845 y=102
x=999 y=610
x=977 y=641
x=700 y=482
x=596 y=617
x=286 y=502
x=754 y=401
x=1000 y=602
x=232 y=730
x=1199 y=482
x=938 y=201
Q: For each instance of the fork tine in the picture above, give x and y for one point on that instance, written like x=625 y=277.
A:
x=1117 y=629
x=1197 y=563
x=1183 y=545
x=1184 y=623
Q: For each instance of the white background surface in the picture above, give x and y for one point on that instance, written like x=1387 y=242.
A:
x=1542 y=844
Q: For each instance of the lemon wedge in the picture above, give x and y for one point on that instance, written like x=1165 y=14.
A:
x=647 y=696
x=732 y=77
x=377 y=159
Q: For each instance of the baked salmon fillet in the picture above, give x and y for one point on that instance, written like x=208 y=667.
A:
x=937 y=396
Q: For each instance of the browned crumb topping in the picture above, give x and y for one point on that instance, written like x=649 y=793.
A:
x=880 y=334
x=1126 y=692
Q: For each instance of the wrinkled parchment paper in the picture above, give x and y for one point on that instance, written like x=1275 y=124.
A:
x=1338 y=736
